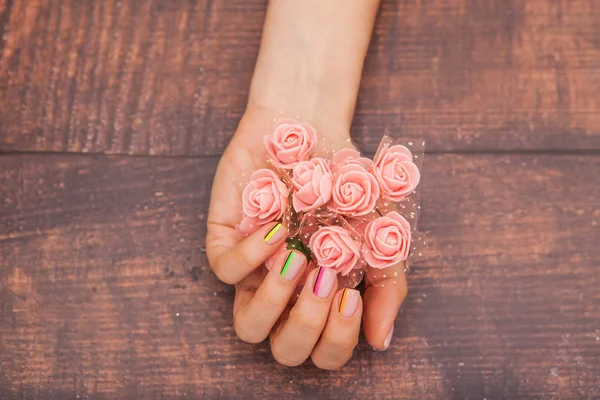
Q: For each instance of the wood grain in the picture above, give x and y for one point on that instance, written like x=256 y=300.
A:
x=170 y=77
x=105 y=292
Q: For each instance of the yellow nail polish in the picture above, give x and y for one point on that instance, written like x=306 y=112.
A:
x=272 y=236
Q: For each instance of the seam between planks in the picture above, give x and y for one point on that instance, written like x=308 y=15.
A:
x=533 y=152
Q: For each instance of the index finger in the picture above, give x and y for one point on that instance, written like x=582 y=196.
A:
x=232 y=262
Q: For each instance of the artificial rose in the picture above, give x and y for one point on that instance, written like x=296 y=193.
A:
x=264 y=199
x=355 y=190
x=349 y=156
x=312 y=182
x=396 y=173
x=387 y=240
x=333 y=247
x=290 y=143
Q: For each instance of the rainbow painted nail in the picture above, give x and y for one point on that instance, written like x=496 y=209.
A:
x=324 y=280
x=292 y=266
x=286 y=264
x=348 y=302
x=274 y=234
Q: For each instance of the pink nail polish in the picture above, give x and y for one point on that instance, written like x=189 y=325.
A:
x=388 y=339
x=324 y=280
x=349 y=302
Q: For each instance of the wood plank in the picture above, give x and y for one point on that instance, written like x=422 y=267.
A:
x=171 y=77
x=478 y=75
x=105 y=291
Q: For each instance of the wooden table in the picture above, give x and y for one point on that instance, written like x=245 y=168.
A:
x=113 y=114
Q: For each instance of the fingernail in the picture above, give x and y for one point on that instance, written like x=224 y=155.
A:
x=275 y=234
x=324 y=281
x=292 y=265
x=388 y=339
x=349 y=302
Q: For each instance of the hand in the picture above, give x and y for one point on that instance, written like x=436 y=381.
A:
x=316 y=325
x=309 y=68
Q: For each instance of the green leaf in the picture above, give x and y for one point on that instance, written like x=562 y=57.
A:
x=296 y=244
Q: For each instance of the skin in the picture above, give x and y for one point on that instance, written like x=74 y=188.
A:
x=309 y=65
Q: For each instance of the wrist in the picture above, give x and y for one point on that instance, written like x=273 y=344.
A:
x=306 y=92
x=310 y=63
x=331 y=127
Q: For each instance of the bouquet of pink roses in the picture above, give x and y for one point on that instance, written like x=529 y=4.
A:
x=343 y=211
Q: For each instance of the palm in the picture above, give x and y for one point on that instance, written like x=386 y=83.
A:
x=244 y=155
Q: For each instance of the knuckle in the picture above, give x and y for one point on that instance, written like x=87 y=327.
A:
x=307 y=323
x=340 y=345
x=333 y=353
x=225 y=276
x=284 y=359
x=222 y=272
x=323 y=363
x=241 y=263
x=226 y=265
x=245 y=334
x=271 y=303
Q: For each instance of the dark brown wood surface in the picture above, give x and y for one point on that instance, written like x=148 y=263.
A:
x=171 y=76
x=105 y=291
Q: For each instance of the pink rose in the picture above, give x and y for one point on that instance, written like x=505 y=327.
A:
x=349 y=156
x=312 y=181
x=396 y=173
x=355 y=190
x=264 y=199
x=290 y=143
x=387 y=240
x=333 y=247
x=278 y=257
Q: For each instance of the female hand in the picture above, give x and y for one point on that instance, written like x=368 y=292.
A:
x=312 y=69
x=324 y=323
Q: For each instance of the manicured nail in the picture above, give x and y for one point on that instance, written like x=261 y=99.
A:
x=292 y=265
x=388 y=339
x=324 y=280
x=275 y=234
x=349 y=302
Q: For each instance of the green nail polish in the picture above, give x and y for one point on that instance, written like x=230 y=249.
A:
x=287 y=263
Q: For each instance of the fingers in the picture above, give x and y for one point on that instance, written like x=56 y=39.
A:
x=255 y=313
x=295 y=339
x=383 y=298
x=232 y=264
x=340 y=337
